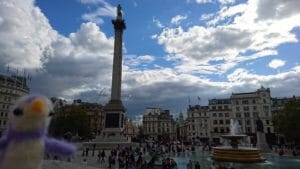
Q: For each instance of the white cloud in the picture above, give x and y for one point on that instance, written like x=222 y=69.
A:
x=225 y=42
x=276 y=63
x=177 y=19
x=227 y=1
x=224 y=2
x=25 y=34
x=105 y=10
x=157 y=23
x=203 y=1
x=79 y=65
x=206 y=16
x=132 y=60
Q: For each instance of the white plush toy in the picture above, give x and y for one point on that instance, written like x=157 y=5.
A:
x=25 y=142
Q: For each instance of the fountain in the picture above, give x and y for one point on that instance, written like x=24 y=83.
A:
x=234 y=153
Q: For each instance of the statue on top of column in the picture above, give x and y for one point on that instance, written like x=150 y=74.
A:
x=119 y=12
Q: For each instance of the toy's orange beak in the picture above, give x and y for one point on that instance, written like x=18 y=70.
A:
x=38 y=106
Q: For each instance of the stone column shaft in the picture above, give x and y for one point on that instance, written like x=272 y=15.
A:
x=117 y=66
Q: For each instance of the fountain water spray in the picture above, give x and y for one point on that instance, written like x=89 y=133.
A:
x=234 y=127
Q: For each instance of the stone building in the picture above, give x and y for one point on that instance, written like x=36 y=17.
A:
x=93 y=111
x=219 y=115
x=11 y=88
x=158 y=124
x=198 y=123
x=248 y=107
x=95 y=114
x=182 y=128
x=131 y=129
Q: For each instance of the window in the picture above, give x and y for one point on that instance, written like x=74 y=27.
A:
x=237 y=102
x=267 y=122
x=248 y=129
x=193 y=127
x=216 y=130
x=1 y=114
x=222 y=130
x=247 y=114
x=264 y=100
x=226 y=114
x=253 y=101
x=248 y=122
x=254 y=107
x=221 y=121
x=246 y=108
x=255 y=114
x=266 y=114
x=245 y=102
x=240 y=122
x=227 y=121
x=214 y=114
x=215 y=122
x=238 y=115
x=237 y=108
x=226 y=107
x=214 y=107
x=219 y=107
x=220 y=114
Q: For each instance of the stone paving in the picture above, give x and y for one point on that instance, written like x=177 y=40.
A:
x=78 y=162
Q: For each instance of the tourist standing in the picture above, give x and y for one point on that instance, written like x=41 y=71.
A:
x=87 y=151
x=197 y=165
x=189 y=165
x=213 y=166
x=94 y=148
x=102 y=155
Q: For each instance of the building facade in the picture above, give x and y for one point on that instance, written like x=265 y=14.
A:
x=219 y=115
x=182 y=128
x=131 y=129
x=158 y=124
x=198 y=123
x=11 y=88
x=95 y=114
x=248 y=107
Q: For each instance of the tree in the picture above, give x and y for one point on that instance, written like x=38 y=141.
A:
x=287 y=121
x=71 y=119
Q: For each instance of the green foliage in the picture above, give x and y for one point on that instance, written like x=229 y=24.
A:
x=288 y=120
x=73 y=120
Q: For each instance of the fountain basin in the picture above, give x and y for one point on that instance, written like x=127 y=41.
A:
x=241 y=155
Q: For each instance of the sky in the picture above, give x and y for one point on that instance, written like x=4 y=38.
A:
x=174 y=51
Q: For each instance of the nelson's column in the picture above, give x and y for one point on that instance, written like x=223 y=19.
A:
x=114 y=110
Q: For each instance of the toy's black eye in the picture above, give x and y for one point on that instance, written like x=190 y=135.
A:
x=18 y=112
x=51 y=113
